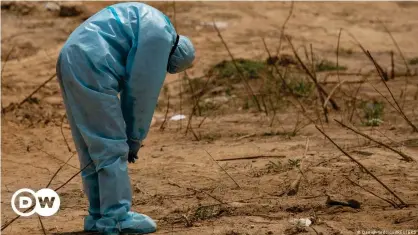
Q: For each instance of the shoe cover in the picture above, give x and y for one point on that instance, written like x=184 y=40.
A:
x=138 y=223
x=133 y=223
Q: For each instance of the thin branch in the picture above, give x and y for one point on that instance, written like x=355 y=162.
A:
x=196 y=191
x=415 y=129
x=310 y=75
x=42 y=225
x=392 y=66
x=321 y=96
x=263 y=102
x=313 y=62
x=194 y=134
x=62 y=133
x=196 y=105
x=36 y=90
x=174 y=16
x=408 y=70
x=48 y=154
x=275 y=66
x=294 y=186
x=250 y=157
x=7 y=224
x=316 y=232
x=404 y=156
x=283 y=80
x=72 y=177
x=338 y=52
x=6 y=60
x=54 y=157
x=379 y=69
x=363 y=167
x=273 y=107
x=283 y=28
x=162 y=127
x=208 y=194
x=3 y=110
x=245 y=136
x=332 y=92
x=201 y=122
x=58 y=170
x=223 y=170
x=246 y=85
x=384 y=77
x=31 y=94
x=372 y=193
x=389 y=102
x=192 y=92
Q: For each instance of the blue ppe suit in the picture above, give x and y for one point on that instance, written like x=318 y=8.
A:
x=123 y=50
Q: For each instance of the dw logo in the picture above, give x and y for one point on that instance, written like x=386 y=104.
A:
x=47 y=202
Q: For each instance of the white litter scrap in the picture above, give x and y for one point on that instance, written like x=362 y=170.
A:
x=178 y=117
x=219 y=24
x=52 y=6
x=217 y=99
x=303 y=222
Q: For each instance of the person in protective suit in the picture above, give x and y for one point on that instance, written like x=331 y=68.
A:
x=111 y=70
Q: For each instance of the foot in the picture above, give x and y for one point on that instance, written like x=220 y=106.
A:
x=132 y=223
x=137 y=224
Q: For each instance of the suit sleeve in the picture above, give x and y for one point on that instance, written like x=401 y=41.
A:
x=147 y=66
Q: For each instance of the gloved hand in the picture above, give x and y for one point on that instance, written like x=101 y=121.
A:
x=134 y=146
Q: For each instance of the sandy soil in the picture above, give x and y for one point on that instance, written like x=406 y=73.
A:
x=176 y=181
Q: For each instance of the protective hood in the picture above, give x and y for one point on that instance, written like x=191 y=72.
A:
x=182 y=57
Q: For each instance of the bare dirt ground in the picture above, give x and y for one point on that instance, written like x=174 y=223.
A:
x=176 y=181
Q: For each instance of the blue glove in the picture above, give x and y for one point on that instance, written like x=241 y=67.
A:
x=134 y=146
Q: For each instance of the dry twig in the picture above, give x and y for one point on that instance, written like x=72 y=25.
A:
x=372 y=193
x=42 y=224
x=162 y=127
x=403 y=204
x=56 y=158
x=408 y=70
x=223 y=170
x=62 y=133
x=241 y=75
x=384 y=79
x=366 y=77
x=338 y=52
x=404 y=156
x=31 y=94
x=332 y=92
x=283 y=80
x=294 y=186
x=196 y=105
x=250 y=158
x=6 y=60
x=310 y=75
x=7 y=224
x=283 y=28
x=58 y=170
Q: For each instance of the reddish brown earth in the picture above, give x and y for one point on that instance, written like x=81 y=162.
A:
x=176 y=181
